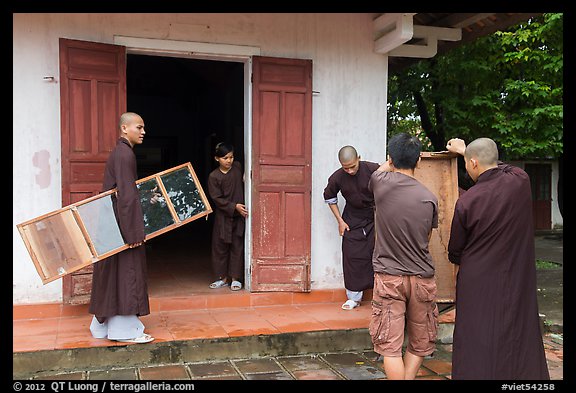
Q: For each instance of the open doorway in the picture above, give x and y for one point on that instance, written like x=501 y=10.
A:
x=188 y=106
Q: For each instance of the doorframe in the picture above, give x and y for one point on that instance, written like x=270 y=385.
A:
x=217 y=52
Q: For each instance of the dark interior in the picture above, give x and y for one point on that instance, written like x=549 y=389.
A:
x=188 y=106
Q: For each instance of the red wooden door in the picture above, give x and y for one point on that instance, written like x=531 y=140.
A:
x=281 y=174
x=92 y=98
x=541 y=196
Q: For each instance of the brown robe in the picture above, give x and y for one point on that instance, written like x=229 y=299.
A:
x=119 y=284
x=358 y=242
x=226 y=190
x=497 y=331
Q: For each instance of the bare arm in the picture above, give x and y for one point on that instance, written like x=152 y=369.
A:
x=386 y=166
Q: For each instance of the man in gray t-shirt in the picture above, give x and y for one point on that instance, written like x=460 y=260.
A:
x=404 y=284
x=406 y=212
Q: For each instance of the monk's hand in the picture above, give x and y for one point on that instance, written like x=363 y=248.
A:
x=155 y=198
x=134 y=245
x=456 y=145
x=342 y=226
x=240 y=208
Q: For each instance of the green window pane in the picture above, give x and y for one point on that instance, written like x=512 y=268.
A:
x=154 y=208
x=183 y=193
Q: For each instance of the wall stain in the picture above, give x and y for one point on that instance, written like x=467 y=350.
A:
x=41 y=160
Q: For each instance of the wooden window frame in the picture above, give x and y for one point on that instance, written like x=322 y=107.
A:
x=76 y=226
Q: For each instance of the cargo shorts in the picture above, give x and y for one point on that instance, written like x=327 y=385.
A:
x=399 y=303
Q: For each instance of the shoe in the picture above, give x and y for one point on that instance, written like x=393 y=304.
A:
x=236 y=285
x=350 y=304
x=143 y=339
x=218 y=284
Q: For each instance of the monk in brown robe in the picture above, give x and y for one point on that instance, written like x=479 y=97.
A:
x=356 y=224
x=226 y=188
x=497 y=331
x=119 y=288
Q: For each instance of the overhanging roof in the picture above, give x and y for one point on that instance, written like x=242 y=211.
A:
x=473 y=25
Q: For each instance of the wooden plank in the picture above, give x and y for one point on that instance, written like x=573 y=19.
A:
x=439 y=173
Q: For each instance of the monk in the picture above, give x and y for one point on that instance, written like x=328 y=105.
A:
x=497 y=330
x=356 y=224
x=119 y=289
x=226 y=188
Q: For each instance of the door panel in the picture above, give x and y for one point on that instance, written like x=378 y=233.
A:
x=92 y=96
x=540 y=181
x=281 y=174
x=296 y=230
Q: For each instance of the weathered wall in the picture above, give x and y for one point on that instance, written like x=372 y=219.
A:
x=349 y=108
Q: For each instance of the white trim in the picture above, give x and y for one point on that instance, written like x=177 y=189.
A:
x=247 y=173
x=185 y=48
x=440 y=33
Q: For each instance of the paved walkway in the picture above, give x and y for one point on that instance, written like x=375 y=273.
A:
x=550 y=282
x=325 y=366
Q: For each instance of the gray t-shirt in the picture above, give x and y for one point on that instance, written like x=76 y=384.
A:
x=406 y=212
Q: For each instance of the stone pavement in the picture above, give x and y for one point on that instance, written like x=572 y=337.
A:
x=358 y=365
x=550 y=282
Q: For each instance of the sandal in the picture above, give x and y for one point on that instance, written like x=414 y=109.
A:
x=143 y=339
x=236 y=285
x=218 y=284
x=350 y=304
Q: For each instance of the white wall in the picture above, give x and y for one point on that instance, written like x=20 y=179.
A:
x=350 y=107
x=557 y=219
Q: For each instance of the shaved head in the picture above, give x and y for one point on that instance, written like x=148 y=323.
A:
x=127 y=118
x=484 y=150
x=347 y=154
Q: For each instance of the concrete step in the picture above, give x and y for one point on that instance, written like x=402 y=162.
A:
x=36 y=363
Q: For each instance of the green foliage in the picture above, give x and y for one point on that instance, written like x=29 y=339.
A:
x=507 y=86
x=545 y=265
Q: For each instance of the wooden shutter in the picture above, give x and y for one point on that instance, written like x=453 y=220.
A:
x=281 y=174
x=92 y=98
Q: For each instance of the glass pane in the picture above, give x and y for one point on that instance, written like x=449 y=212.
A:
x=100 y=222
x=154 y=208
x=58 y=243
x=183 y=193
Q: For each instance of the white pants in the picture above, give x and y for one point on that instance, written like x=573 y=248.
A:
x=118 y=327
x=354 y=295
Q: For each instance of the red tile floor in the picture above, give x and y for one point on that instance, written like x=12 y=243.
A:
x=221 y=314
x=184 y=307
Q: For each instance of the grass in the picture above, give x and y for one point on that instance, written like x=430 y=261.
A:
x=542 y=265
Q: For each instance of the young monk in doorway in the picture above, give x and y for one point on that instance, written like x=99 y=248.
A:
x=226 y=188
